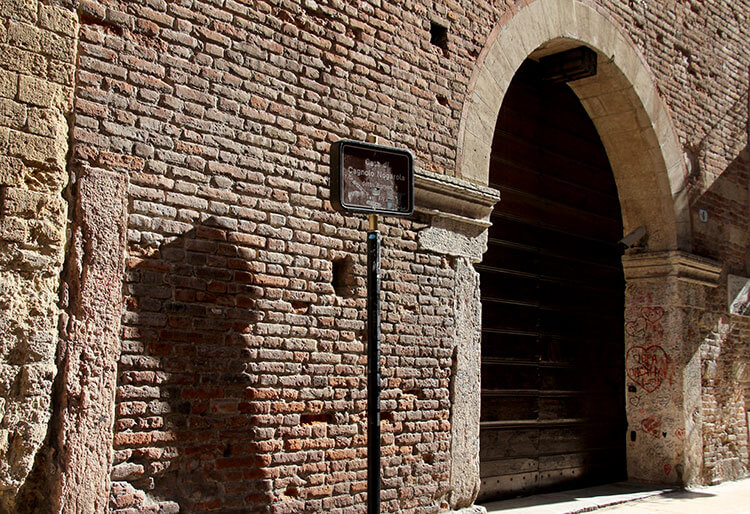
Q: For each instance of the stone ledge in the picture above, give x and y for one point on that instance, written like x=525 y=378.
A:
x=675 y=264
x=453 y=198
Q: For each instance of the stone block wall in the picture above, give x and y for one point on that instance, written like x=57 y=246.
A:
x=37 y=68
x=724 y=357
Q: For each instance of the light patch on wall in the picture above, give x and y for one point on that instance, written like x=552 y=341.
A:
x=738 y=289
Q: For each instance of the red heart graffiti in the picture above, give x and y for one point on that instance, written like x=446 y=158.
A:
x=647 y=367
x=652 y=425
x=652 y=314
x=636 y=328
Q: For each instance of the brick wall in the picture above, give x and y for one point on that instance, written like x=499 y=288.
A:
x=698 y=54
x=242 y=369
x=37 y=56
x=241 y=376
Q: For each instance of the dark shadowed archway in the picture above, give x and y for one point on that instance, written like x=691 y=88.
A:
x=552 y=285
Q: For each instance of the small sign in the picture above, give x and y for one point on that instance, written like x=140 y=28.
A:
x=372 y=179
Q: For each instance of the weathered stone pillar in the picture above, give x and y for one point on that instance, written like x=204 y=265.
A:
x=459 y=213
x=90 y=350
x=665 y=297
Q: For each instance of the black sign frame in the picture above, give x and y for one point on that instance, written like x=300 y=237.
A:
x=344 y=150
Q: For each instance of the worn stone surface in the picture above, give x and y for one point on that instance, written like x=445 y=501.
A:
x=454 y=238
x=466 y=388
x=663 y=384
x=90 y=349
x=33 y=142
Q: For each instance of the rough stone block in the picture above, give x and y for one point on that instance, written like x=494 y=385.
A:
x=62 y=73
x=13 y=229
x=39 y=92
x=36 y=379
x=46 y=234
x=23 y=10
x=59 y=19
x=23 y=61
x=40 y=345
x=48 y=123
x=8 y=84
x=4 y=139
x=58 y=47
x=11 y=171
x=25 y=36
x=37 y=149
x=12 y=114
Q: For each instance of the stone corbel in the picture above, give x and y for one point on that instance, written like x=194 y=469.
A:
x=458 y=212
x=453 y=198
x=675 y=264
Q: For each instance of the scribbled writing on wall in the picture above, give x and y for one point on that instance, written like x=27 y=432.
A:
x=647 y=367
x=647 y=362
x=644 y=324
x=652 y=425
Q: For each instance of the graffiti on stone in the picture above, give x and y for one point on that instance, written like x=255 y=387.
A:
x=647 y=366
x=644 y=324
x=652 y=425
x=647 y=363
x=636 y=328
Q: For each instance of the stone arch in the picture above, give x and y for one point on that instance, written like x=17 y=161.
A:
x=621 y=99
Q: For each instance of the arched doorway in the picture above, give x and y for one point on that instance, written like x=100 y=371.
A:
x=648 y=165
x=552 y=411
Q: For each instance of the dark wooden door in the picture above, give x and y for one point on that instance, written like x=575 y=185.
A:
x=553 y=412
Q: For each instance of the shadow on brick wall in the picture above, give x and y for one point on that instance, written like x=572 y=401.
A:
x=188 y=434
x=722 y=230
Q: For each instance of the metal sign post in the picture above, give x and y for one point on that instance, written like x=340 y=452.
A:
x=373 y=367
x=372 y=179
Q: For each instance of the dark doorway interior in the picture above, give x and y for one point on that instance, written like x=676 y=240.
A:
x=553 y=413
